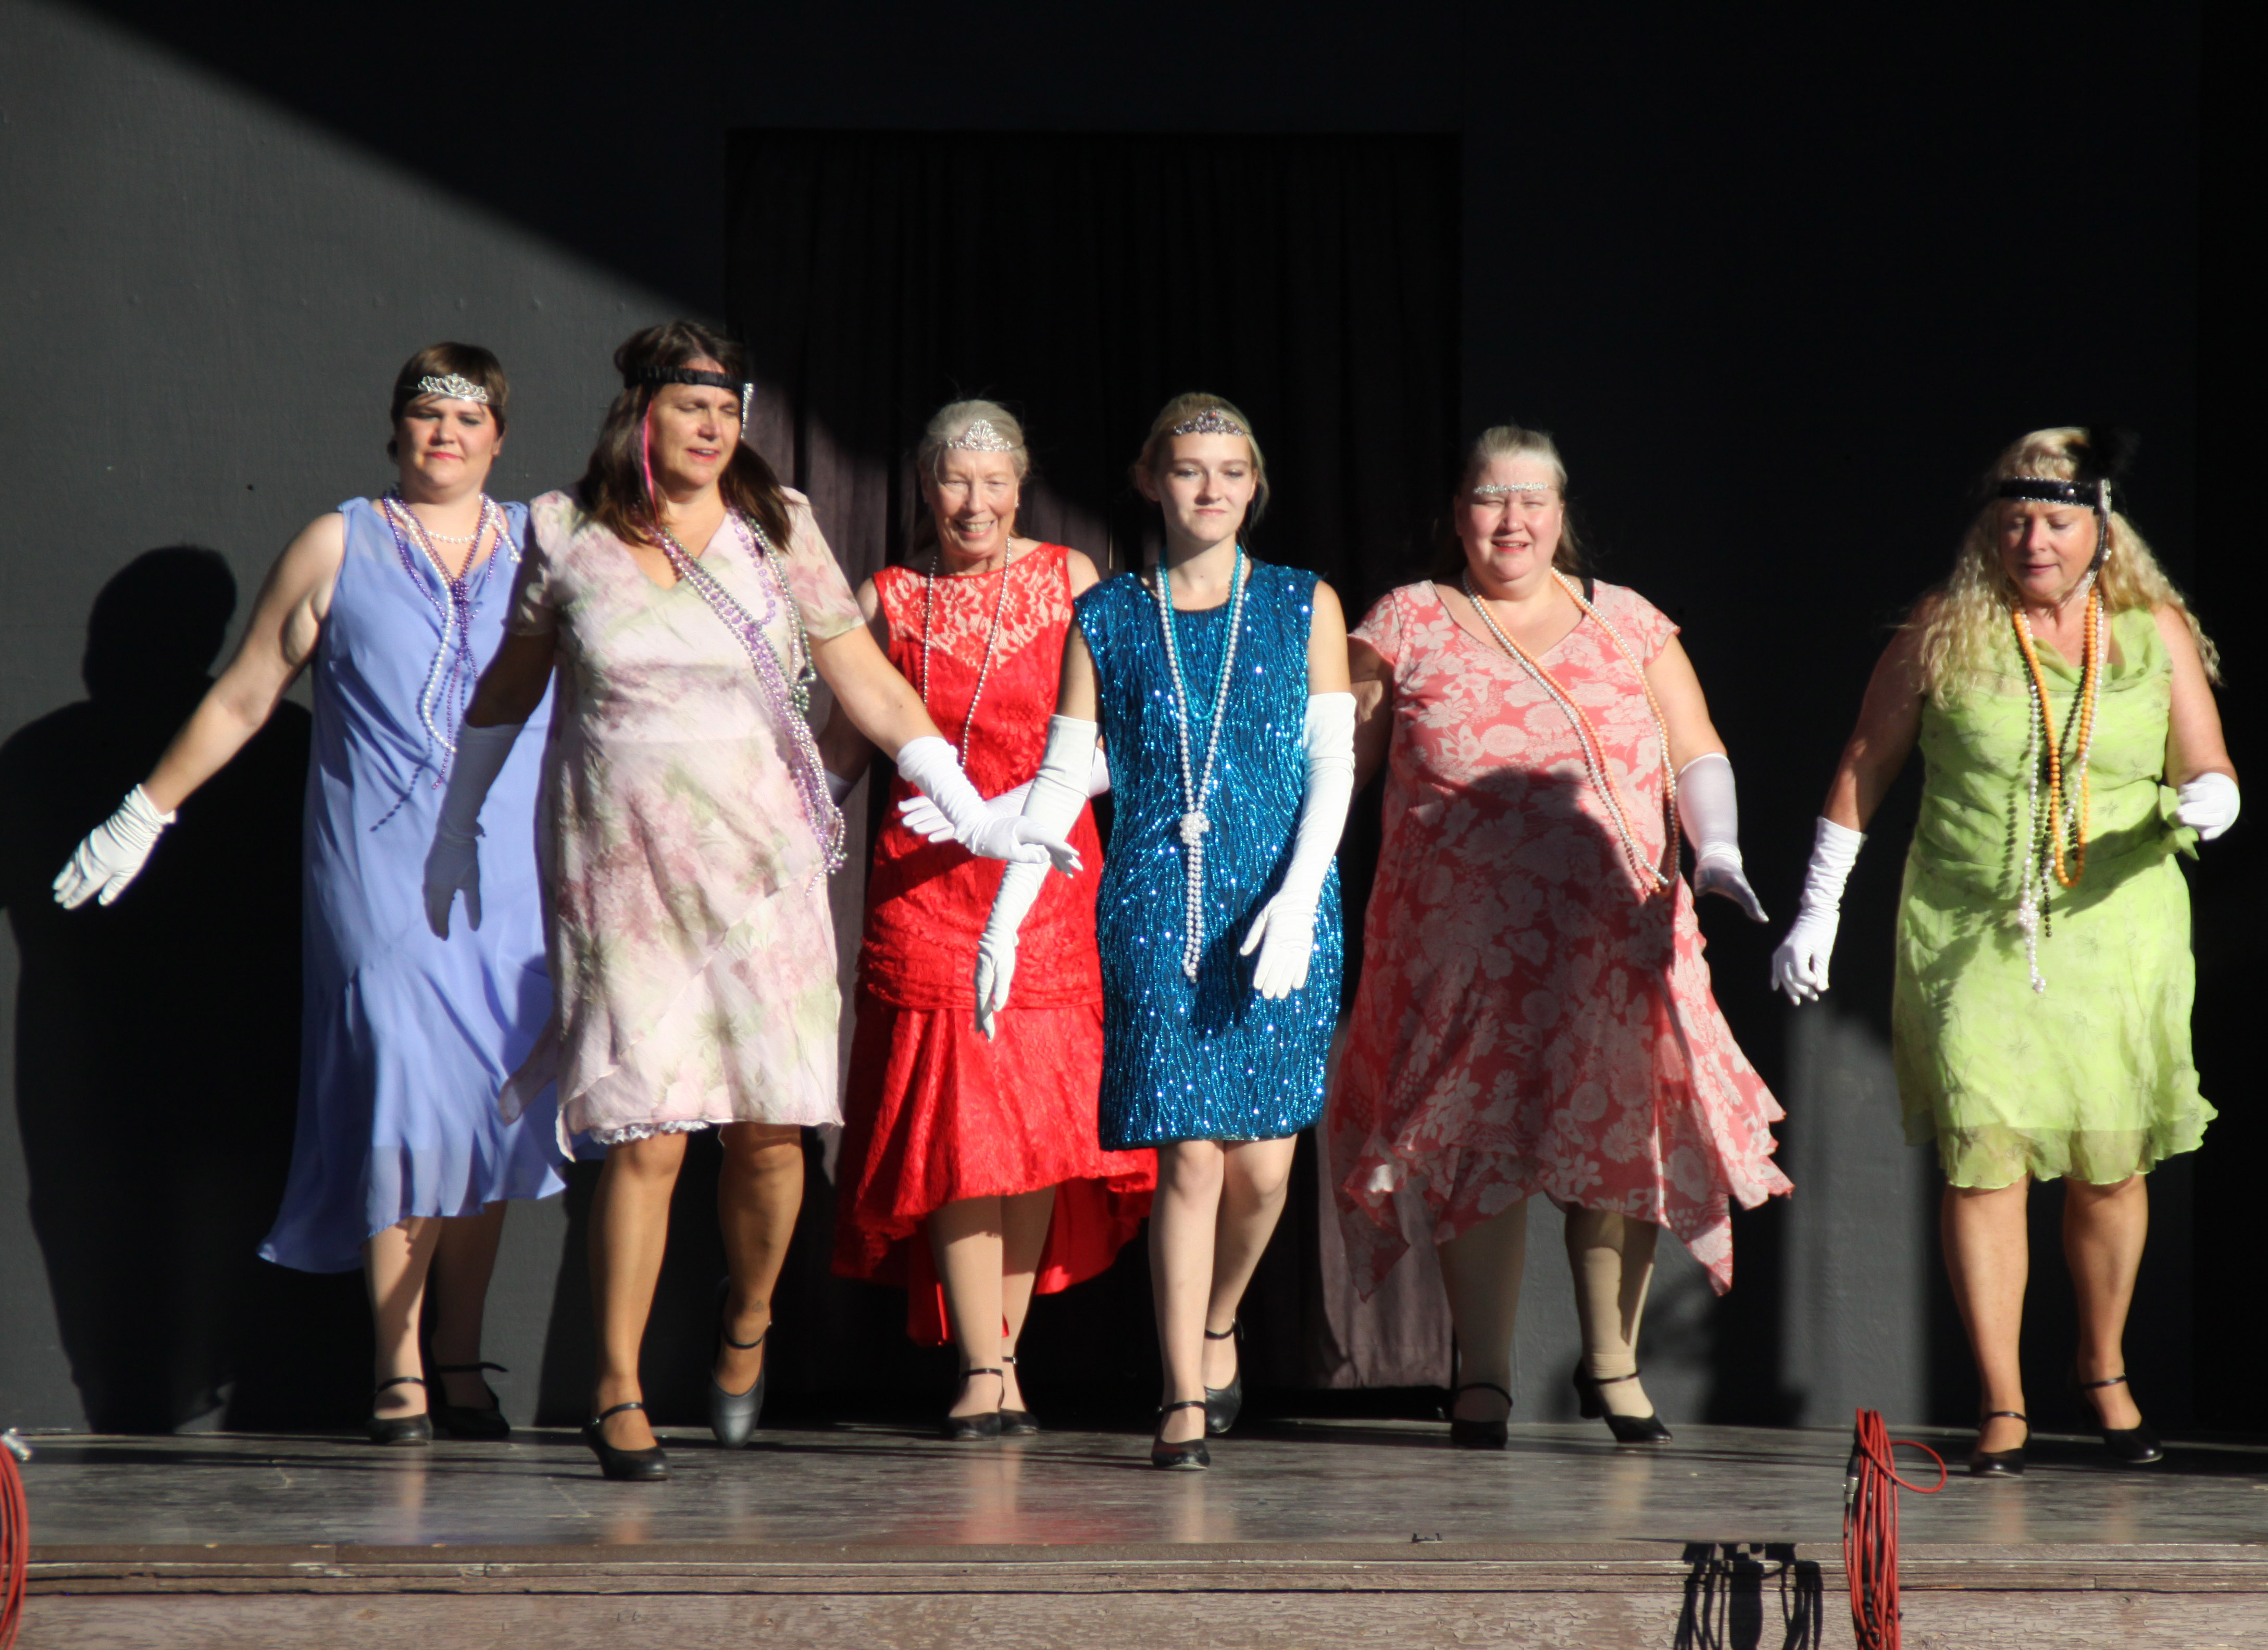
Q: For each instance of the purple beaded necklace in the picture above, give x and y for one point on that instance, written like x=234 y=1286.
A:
x=450 y=678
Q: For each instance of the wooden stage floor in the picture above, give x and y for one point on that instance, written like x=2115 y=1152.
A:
x=1305 y=1532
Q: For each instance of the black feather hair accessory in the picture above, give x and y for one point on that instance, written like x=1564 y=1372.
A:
x=2106 y=453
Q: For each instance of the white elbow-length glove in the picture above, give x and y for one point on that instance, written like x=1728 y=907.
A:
x=2208 y=804
x=924 y=819
x=453 y=861
x=1711 y=814
x=113 y=854
x=930 y=767
x=1800 y=966
x=1051 y=806
x=1283 y=933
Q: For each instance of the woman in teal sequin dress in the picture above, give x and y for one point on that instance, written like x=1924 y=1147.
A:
x=1221 y=694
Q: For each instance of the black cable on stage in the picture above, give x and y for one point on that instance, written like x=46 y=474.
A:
x=1870 y=1528
x=15 y=1540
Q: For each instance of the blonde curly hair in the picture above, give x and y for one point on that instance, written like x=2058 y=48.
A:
x=1962 y=621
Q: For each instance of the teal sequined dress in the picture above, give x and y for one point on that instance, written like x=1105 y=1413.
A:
x=1207 y=1060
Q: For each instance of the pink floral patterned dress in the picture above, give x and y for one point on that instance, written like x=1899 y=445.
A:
x=691 y=948
x=1527 y=1022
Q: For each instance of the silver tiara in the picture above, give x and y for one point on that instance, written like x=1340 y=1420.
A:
x=981 y=437
x=456 y=386
x=1211 y=421
x=1497 y=490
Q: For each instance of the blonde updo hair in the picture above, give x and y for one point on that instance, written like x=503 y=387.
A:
x=1179 y=410
x=1508 y=441
x=947 y=425
x=1962 y=621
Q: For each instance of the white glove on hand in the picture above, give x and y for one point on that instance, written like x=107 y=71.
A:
x=924 y=819
x=1799 y=967
x=453 y=861
x=1283 y=933
x=2208 y=804
x=1051 y=806
x=114 y=853
x=1710 y=810
x=930 y=766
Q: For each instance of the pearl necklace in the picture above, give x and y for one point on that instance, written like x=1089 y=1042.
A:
x=1652 y=877
x=2035 y=866
x=1197 y=785
x=448 y=687
x=789 y=697
x=984 y=671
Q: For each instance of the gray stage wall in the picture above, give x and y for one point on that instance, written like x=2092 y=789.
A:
x=206 y=282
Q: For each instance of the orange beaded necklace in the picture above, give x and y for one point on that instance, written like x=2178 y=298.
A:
x=2065 y=821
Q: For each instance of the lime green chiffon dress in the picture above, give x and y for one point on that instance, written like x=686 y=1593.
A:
x=2091 y=1077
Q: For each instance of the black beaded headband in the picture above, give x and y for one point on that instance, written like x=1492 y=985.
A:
x=699 y=376
x=2051 y=490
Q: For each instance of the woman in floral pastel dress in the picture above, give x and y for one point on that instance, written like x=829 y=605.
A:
x=687 y=601
x=1534 y=1015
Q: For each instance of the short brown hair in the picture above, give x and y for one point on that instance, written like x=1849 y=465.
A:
x=613 y=489
x=440 y=360
x=1179 y=410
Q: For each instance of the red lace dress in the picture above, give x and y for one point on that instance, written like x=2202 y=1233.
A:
x=934 y=1112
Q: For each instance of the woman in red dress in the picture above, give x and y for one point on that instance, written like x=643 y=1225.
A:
x=970 y=1170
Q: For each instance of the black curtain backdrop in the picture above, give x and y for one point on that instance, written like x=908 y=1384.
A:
x=1082 y=281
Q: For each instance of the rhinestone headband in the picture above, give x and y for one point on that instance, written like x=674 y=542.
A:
x=2053 y=489
x=981 y=437
x=456 y=386
x=1211 y=421
x=1497 y=490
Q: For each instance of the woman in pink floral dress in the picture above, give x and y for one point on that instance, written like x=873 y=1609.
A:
x=1534 y=1015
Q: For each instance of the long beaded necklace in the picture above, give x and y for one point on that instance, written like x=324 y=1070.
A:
x=992 y=635
x=1652 y=877
x=785 y=684
x=448 y=689
x=1196 y=784
x=2065 y=824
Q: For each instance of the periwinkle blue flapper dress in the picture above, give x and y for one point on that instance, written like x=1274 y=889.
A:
x=406 y=1039
x=1212 y=1059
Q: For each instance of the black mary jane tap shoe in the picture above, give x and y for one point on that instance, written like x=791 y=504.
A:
x=2134 y=1445
x=1016 y=1422
x=1187 y=1456
x=1480 y=1434
x=1627 y=1429
x=462 y=1421
x=1999 y=1464
x=1223 y=1405
x=626 y=1465
x=399 y=1429
x=732 y=1415
x=966 y=1429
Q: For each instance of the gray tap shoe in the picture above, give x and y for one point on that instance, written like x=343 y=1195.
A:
x=732 y=1415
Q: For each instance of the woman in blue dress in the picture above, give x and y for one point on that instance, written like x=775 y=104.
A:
x=401 y=1164
x=1219 y=685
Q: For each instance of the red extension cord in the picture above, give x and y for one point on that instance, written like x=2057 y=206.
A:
x=1870 y=1528
x=15 y=1544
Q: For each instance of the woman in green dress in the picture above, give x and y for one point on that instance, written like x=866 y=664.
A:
x=2061 y=693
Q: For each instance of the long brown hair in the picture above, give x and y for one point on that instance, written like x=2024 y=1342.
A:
x=613 y=490
x=1507 y=441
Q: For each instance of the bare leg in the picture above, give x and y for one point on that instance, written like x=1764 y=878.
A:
x=629 y=1229
x=965 y=1239
x=1612 y=1256
x=1024 y=1221
x=1988 y=1259
x=395 y=1264
x=1480 y=1269
x=2103 y=1230
x=1184 y=1219
x=758 y=1197
x=1259 y=1175
x=463 y=1261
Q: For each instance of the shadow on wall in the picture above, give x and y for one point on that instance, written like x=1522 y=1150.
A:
x=156 y=1039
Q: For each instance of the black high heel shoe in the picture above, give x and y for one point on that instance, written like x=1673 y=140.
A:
x=1223 y=1405
x=732 y=1415
x=1480 y=1434
x=1999 y=1464
x=460 y=1420
x=1627 y=1429
x=2134 y=1445
x=401 y=1429
x=627 y=1465
x=1188 y=1456
x=963 y=1429
x=1016 y=1422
